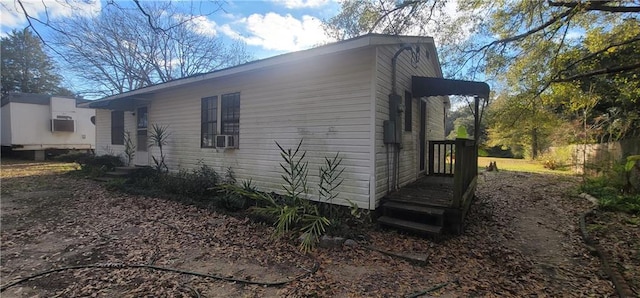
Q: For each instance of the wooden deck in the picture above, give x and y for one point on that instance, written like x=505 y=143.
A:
x=439 y=201
x=426 y=191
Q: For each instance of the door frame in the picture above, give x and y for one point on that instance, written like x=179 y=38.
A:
x=422 y=135
x=142 y=131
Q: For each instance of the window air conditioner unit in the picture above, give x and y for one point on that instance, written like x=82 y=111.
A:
x=226 y=141
x=67 y=125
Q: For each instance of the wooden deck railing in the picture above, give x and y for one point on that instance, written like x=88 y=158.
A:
x=457 y=158
x=465 y=170
x=441 y=157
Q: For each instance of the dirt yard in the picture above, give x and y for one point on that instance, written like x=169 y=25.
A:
x=522 y=238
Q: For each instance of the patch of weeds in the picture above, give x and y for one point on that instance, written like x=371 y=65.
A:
x=610 y=195
x=634 y=220
x=6 y=192
x=201 y=187
x=92 y=165
x=115 y=184
x=293 y=213
x=596 y=227
x=198 y=183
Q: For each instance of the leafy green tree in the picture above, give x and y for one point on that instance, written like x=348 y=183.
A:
x=463 y=116
x=26 y=67
x=358 y=17
x=516 y=123
x=575 y=63
x=609 y=104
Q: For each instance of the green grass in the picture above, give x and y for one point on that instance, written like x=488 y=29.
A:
x=610 y=197
x=519 y=165
x=14 y=168
x=24 y=175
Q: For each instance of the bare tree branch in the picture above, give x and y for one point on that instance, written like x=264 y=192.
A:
x=602 y=71
x=596 y=53
x=596 y=6
x=146 y=14
x=543 y=26
x=387 y=13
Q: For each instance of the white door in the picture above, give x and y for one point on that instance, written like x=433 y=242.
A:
x=142 y=147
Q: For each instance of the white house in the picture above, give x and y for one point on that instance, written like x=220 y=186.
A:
x=37 y=122
x=337 y=98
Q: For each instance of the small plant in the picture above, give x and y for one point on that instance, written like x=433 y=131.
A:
x=159 y=137
x=550 y=164
x=115 y=184
x=77 y=157
x=358 y=214
x=632 y=185
x=91 y=164
x=295 y=212
x=229 y=176
x=296 y=170
x=330 y=180
x=129 y=148
x=608 y=190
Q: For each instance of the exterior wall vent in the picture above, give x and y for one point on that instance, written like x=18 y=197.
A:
x=66 y=125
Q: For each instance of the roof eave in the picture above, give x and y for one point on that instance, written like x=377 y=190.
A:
x=360 y=42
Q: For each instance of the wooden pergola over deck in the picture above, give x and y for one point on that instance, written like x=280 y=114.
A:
x=440 y=199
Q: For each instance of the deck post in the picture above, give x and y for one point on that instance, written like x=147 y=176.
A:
x=431 y=157
x=458 y=177
x=465 y=168
x=476 y=135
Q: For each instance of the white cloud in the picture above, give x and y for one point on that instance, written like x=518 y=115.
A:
x=203 y=26
x=293 y=4
x=273 y=31
x=12 y=15
x=575 y=34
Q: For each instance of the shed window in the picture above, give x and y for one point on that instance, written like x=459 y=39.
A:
x=407 y=110
x=117 y=128
x=209 y=120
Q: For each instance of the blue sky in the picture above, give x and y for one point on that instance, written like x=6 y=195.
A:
x=267 y=27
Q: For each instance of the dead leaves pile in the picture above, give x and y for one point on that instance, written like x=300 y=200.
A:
x=492 y=258
x=619 y=235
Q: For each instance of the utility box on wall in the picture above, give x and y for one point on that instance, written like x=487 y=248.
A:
x=389 y=132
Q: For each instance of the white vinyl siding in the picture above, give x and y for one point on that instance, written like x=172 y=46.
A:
x=335 y=102
x=324 y=100
x=5 y=113
x=103 y=132
x=409 y=154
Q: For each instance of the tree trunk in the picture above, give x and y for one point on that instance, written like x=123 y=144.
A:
x=534 y=143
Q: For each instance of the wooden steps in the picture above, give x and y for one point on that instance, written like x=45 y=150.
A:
x=413 y=217
x=414 y=208
x=410 y=225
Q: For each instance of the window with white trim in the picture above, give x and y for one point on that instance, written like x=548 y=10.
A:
x=209 y=121
x=220 y=121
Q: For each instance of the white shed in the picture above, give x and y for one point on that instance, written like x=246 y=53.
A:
x=37 y=122
x=334 y=97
